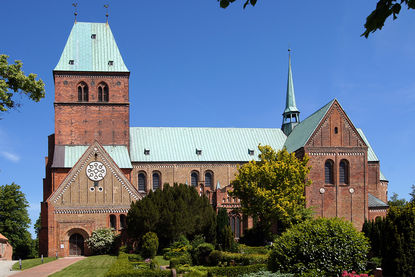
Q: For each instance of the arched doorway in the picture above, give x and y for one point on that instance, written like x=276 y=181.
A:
x=76 y=245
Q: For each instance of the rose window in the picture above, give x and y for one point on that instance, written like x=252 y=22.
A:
x=96 y=171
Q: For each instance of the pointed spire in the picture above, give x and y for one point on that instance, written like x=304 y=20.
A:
x=290 y=105
x=291 y=115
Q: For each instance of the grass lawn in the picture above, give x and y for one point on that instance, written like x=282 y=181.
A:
x=32 y=262
x=161 y=261
x=94 y=266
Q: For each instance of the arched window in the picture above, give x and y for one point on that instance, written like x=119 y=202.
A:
x=238 y=227
x=142 y=184
x=232 y=221
x=156 y=180
x=208 y=179
x=344 y=172
x=103 y=92
x=123 y=221
x=83 y=94
x=113 y=222
x=328 y=172
x=194 y=178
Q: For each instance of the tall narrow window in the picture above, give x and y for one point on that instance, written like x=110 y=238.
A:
x=328 y=172
x=208 y=179
x=83 y=93
x=113 y=222
x=156 y=180
x=238 y=227
x=103 y=92
x=344 y=172
x=232 y=221
x=123 y=221
x=141 y=182
x=194 y=178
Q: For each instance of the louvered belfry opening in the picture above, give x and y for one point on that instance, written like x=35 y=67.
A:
x=344 y=172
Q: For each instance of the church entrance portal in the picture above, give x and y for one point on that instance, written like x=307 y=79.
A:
x=76 y=245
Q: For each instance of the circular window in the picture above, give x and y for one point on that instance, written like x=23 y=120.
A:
x=92 y=189
x=96 y=171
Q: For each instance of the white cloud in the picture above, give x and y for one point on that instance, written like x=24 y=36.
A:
x=10 y=156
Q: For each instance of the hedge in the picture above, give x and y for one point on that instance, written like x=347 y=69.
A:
x=245 y=249
x=217 y=257
x=231 y=271
x=123 y=268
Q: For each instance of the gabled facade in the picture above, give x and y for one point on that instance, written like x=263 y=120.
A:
x=97 y=164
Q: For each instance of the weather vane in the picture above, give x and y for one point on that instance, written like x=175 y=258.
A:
x=75 y=5
x=106 y=6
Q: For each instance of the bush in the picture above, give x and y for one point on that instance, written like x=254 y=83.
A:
x=268 y=274
x=254 y=249
x=185 y=258
x=101 y=241
x=150 y=245
x=325 y=246
x=231 y=271
x=218 y=257
x=201 y=253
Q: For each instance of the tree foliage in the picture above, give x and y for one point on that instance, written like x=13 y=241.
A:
x=13 y=80
x=101 y=241
x=171 y=212
x=393 y=239
x=224 y=236
x=14 y=220
x=325 y=247
x=150 y=245
x=384 y=9
x=376 y=19
x=272 y=189
x=394 y=201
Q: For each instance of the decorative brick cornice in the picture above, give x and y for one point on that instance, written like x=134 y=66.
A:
x=176 y=164
x=90 y=210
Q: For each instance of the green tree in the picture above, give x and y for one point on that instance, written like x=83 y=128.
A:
x=224 y=233
x=272 y=189
x=14 y=220
x=320 y=247
x=150 y=245
x=394 y=201
x=13 y=80
x=171 y=212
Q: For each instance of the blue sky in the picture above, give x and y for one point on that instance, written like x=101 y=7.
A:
x=195 y=64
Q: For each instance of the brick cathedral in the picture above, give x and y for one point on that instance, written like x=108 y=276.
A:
x=97 y=164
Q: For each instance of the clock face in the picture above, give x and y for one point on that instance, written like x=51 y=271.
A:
x=96 y=171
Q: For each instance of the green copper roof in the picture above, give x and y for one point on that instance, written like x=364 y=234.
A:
x=85 y=52
x=303 y=131
x=382 y=177
x=169 y=144
x=290 y=105
x=66 y=156
x=371 y=156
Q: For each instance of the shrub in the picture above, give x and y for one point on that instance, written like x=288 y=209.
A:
x=150 y=245
x=254 y=249
x=325 y=246
x=185 y=258
x=268 y=274
x=218 y=257
x=201 y=253
x=231 y=271
x=101 y=241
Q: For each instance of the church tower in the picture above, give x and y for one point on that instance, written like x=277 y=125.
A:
x=291 y=115
x=91 y=89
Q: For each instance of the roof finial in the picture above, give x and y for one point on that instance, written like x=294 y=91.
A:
x=106 y=6
x=75 y=5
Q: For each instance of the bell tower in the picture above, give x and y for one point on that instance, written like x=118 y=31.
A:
x=91 y=89
x=291 y=115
